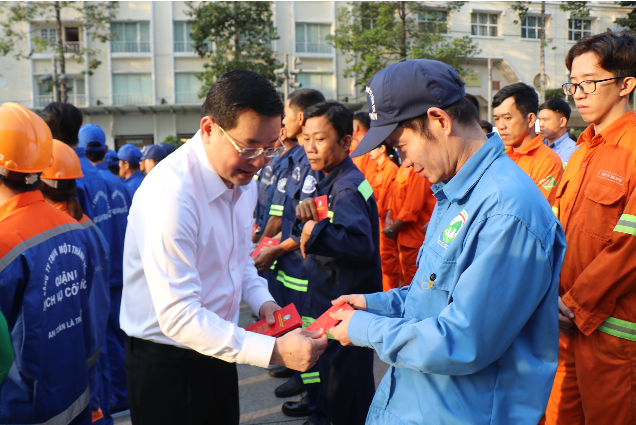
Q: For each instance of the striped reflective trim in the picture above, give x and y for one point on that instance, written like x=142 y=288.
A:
x=365 y=190
x=330 y=216
x=273 y=265
x=310 y=378
x=92 y=359
x=299 y=285
x=87 y=224
x=626 y=224
x=36 y=240
x=619 y=328
x=276 y=210
x=555 y=210
x=71 y=412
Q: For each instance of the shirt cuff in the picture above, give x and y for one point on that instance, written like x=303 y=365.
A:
x=358 y=330
x=586 y=322
x=376 y=303
x=258 y=297
x=257 y=349
x=406 y=217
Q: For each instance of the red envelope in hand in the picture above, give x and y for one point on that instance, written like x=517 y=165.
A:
x=327 y=322
x=322 y=207
x=264 y=242
x=287 y=319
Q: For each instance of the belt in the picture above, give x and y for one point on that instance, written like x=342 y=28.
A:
x=164 y=350
x=619 y=328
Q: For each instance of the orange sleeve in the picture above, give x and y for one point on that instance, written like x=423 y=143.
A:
x=548 y=177
x=415 y=199
x=386 y=191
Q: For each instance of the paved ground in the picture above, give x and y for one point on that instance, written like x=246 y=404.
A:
x=259 y=405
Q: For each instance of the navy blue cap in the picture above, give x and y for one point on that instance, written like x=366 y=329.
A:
x=168 y=147
x=154 y=152
x=92 y=133
x=111 y=158
x=130 y=153
x=406 y=90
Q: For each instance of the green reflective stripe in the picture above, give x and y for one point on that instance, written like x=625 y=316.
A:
x=365 y=190
x=311 y=381
x=277 y=207
x=330 y=216
x=299 y=285
x=630 y=230
x=619 y=328
x=309 y=374
x=628 y=217
x=276 y=210
x=273 y=265
x=310 y=378
x=555 y=210
x=255 y=177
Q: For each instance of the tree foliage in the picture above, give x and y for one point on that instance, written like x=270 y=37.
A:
x=630 y=20
x=173 y=140
x=233 y=35
x=377 y=34
x=576 y=8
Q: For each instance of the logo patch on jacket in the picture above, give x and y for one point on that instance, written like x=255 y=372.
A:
x=296 y=174
x=309 y=186
x=451 y=231
x=281 y=185
x=548 y=183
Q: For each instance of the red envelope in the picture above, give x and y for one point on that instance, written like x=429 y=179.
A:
x=287 y=319
x=322 y=206
x=264 y=242
x=327 y=322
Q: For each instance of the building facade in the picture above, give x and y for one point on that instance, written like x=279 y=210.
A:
x=146 y=87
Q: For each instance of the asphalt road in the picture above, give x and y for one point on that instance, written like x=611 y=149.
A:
x=258 y=403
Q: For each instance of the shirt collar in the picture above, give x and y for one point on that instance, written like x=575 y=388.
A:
x=385 y=163
x=612 y=133
x=297 y=154
x=335 y=173
x=134 y=176
x=467 y=177
x=20 y=201
x=101 y=166
x=558 y=141
x=81 y=152
x=529 y=147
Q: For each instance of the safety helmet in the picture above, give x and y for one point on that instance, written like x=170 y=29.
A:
x=26 y=144
x=66 y=164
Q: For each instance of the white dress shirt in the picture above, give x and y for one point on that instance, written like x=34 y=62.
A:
x=187 y=261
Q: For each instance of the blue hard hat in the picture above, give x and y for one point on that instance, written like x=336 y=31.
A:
x=92 y=133
x=154 y=152
x=130 y=153
x=111 y=158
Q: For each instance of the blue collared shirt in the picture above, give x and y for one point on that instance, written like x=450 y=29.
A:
x=474 y=338
x=134 y=181
x=563 y=146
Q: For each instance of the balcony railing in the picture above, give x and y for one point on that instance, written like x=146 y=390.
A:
x=307 y=47
x=43 y=100
x=183 y=46
x=130 y=47
x=69 y=47
x=188 y=98
x=132 y=99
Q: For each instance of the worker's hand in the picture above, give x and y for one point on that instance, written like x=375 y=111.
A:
x=265 y=258
x=267 y=311
x=299 y=349
x=356 y=301
x=256 y=236
x=306 y=210
x=305 y=235
x=388 y=234
x=566 y=324
x=341 y=331
x=387 y=221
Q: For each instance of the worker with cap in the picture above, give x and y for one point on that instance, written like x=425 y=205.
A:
x=151 y=155
x=58 y=188
x=129 y=158
x=168 y=147
x=112 y=162
x=47 y=268
x=93 y=139
x=473 y=340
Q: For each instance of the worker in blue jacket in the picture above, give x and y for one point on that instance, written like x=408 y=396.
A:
x=474 y=338
x=112 y=162
x=93 y=139
x=129 y=158
x=343 y=257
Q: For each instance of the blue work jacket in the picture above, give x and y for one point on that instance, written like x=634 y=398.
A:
x=120 y=200
x=133 y=182
x=343 y=251
x=474 y=339
x=54 y=295
x=265 y=180
x=279 y=191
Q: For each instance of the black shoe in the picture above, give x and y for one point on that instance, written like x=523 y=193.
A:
x=290 y=388
x=309 y=422
x=297 y=409
x=281 y=372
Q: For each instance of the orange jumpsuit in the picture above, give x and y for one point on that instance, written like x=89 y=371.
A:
x=413 y=203
x=595 y=202
x=364 y=163
x=382 y=183
x=542 y=164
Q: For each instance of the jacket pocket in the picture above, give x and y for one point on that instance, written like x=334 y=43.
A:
x=603 y=206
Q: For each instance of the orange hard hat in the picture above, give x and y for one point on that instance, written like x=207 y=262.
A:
x=26 y=144
x=66 y=163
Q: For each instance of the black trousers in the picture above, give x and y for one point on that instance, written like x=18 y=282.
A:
x=168 y=385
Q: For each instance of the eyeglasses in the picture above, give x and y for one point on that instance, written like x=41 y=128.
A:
x=586 y=87
x=249 y=153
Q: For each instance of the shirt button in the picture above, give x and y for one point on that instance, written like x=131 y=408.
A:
x=583 y=165
x=433 y=276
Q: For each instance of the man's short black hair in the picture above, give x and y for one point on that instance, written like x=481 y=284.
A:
x=236 y=91
x=114 y=169
x=461 y=112
x=15 y=182
x=363 y=118
x=557 y=105
x=95 y=156
x=64 y=120
x=472 y=99
x=526 y=98
x=486 y=125
x=302 y=99
x=134 y=166
x=340 y=117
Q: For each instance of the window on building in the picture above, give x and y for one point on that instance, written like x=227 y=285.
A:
x=530 y=27
x=182 y=40
x=433 y=21
x=320 y=82
x=75 y=92
x=312 y=38
x=187 y=88
x=130 y=37
x=579 y=28
x=71 y=40
x=484 y=24
x=132 y=89
x=48 y=34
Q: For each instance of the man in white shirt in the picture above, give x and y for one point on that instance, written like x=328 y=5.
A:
x=187 y=266
x=554 y=115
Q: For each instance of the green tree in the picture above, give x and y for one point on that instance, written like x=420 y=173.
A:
x=17 y=19
x=173 y=140
x=233 y=35
x=377 y=34
x=576 y=8
x=630 y=20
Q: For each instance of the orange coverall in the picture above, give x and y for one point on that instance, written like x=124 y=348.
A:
x=383 y=185
x=364 y=163
x=595 y=202
x=413 y=203
x=542 y=164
